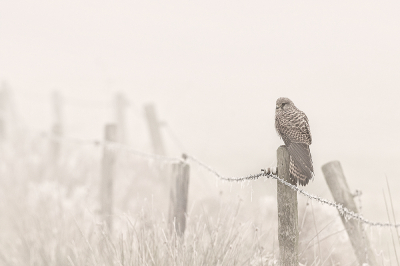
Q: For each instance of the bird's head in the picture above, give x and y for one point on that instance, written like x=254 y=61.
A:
x=284 y=103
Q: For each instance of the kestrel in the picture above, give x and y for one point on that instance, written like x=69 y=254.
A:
x=292 y=126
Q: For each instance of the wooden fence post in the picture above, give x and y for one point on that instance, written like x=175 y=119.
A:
x=288 y=232
x=120 y=111
x=8 y=118
x=154 y=127
x=57 y=128
x=4 y=99
x=341 y=194
x=107 y=175
x=179 y=197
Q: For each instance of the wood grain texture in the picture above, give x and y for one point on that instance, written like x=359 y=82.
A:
x=179 y=197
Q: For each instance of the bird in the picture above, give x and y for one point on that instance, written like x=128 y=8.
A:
x=292 y=126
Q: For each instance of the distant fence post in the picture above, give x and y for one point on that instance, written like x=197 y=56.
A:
x=179 y=197
x=154 y=128
x=288 y=232
x=120 y=111
x=107 y=175
x=57 y=128
x=4 y=98
x=341 y=193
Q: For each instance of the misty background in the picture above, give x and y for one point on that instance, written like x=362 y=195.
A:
x=214 y=70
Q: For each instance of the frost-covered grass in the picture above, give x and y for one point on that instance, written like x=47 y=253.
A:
x=50 y=216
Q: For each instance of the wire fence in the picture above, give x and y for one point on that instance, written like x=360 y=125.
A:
x=266 y=173
x=110 y=145
x=270 y=174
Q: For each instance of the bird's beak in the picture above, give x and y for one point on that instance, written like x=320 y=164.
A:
x=277 y=107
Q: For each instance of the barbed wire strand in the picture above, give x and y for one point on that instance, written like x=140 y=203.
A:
x=269 y=174
x=230 y=179
x=346 y=213
x=111 y=145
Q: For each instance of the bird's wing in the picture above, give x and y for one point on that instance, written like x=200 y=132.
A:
x=302 y=156
x=296 y=127
x=305 y=127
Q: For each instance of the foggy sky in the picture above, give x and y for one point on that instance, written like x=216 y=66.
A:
x=214 y=69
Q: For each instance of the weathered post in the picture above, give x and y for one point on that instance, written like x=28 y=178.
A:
x=107 y=175
x=8 y=117
x=57 y=128
x=341 y=194
x=4 y=93
x=179 y=197
x=120 y=113
x=154 y=128
x=288 y=232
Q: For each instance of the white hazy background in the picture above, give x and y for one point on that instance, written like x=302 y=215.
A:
x=214 y=70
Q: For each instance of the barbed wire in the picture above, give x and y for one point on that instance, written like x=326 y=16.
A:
x=268 y=173
x=346 y=213
x=110 y=145
x=118 y=146
x=230 y=179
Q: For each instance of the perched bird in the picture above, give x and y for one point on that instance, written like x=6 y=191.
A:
x=292 y=126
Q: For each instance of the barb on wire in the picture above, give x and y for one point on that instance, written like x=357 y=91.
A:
x=267 y=173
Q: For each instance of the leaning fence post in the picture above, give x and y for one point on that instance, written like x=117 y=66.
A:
x=288 y=232
x=107 y=175
x=340 y=190
x=179 y=196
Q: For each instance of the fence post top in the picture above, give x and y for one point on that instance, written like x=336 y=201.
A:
x=110 y=133
x=183 y=160
x=282 y=151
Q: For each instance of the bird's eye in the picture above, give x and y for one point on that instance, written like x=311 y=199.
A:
x=283 y=104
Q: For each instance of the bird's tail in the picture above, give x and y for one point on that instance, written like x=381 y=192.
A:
x=301 y=166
